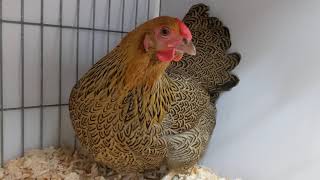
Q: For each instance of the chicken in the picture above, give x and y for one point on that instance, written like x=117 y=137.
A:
x=144 y=105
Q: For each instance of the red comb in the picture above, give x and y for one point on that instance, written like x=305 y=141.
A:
x=184 y=30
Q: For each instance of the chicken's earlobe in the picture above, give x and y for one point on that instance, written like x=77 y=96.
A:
x=147 y=42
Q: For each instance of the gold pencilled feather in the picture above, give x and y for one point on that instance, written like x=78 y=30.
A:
x=146 y=104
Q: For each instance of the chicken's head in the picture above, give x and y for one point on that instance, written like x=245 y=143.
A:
x=168 y=39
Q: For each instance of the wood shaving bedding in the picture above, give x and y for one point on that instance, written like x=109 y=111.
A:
x=59 y=163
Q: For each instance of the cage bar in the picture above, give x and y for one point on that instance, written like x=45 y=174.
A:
x=160 y=7
x=1 y=89
x=148 y=12
x=108 y=33
x=93 y=31
x=60 y=70
x=41 y=79
x=30 y=107
x=62 y=26
x=136 y=17
x=122 y=17
x=22 y=76
x=77 y=56
x=77 y=42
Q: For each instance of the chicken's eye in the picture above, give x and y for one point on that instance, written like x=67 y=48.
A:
x=185 y=41
x=165 y=31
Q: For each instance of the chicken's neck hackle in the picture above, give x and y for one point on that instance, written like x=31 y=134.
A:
x=130 y=71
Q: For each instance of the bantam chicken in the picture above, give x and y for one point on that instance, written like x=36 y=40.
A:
x=144 y=105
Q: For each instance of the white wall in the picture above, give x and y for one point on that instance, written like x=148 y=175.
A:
x=268 y=127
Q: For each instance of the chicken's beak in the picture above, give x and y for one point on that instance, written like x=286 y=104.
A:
x=187 y=47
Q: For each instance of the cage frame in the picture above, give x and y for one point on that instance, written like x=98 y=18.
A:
x=60 y=25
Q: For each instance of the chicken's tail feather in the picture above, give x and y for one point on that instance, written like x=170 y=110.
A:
x=212 y=65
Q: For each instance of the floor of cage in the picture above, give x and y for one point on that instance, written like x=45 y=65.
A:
x=60 y=163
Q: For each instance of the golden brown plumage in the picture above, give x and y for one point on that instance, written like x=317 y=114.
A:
x=133 y=112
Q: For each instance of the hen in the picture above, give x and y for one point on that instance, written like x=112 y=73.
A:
x=140 y=107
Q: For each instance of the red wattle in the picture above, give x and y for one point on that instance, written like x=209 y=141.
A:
x=177 y=57
x=166 y=55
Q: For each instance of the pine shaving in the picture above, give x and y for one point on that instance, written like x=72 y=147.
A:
x=60 y=163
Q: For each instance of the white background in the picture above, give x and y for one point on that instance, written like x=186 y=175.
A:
x=268 y=127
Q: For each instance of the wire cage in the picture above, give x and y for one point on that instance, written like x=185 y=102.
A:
x=46 y=45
